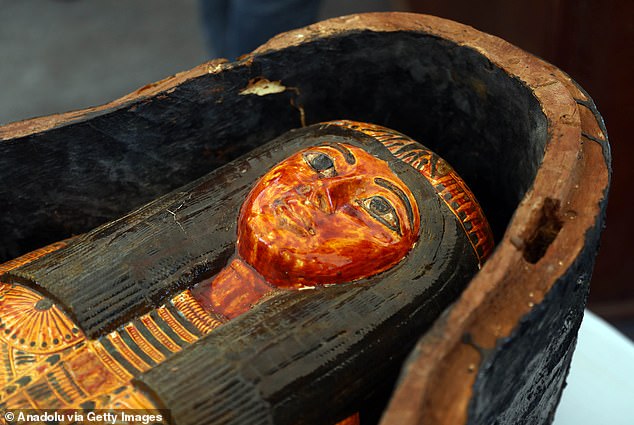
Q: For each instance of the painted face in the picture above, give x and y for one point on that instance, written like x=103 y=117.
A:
x=328 y=214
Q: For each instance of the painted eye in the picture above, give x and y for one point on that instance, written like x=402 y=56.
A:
x=382 y=210
x=322 y=163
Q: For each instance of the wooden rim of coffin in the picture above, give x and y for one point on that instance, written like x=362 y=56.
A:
x=437 y=385
x=571 y=184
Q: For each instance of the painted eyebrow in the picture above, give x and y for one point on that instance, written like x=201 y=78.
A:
x=349 y=157
x=398 y=192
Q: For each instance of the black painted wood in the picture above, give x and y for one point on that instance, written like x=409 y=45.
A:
x=69 y=179
x=516 y=385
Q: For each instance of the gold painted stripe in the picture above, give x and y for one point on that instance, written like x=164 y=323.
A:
x=71 y=392
x=158 y=334
x=10 y=359
x=171 y=321
x=31 y=256
x=143 y=344
x=25 y=396
x=191 y=309
x=114 y=366
x=126 y=352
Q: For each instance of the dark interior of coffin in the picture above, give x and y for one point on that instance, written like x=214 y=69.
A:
x=70 y=179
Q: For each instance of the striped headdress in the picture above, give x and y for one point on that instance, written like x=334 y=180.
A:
x=453 y=191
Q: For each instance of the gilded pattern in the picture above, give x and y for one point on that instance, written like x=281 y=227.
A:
x=47 y=362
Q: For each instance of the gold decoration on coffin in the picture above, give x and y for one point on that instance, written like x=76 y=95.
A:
x=43 y=368
x=32 y=323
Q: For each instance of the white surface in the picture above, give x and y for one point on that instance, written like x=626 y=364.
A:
x=600 y=386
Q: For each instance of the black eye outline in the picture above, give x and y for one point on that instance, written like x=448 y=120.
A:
x=321 y=162
x=383 y=211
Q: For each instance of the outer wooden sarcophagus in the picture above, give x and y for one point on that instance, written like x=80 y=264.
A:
x=529 y=142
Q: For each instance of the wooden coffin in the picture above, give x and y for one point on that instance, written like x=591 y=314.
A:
x=525 y=137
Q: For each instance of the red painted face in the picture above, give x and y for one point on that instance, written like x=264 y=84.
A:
x=328 y=214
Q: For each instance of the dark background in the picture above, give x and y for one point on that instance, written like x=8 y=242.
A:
x=59 y=55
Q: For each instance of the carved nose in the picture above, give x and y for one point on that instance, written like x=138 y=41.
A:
x=303 y=189
x=324 y=201
x=316 y=196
